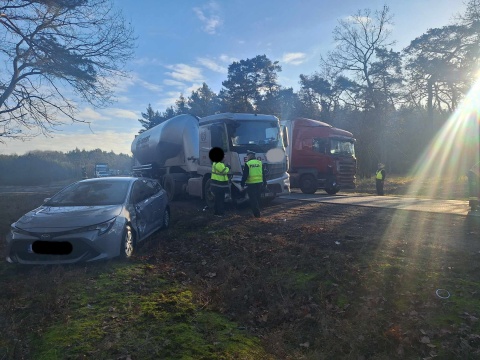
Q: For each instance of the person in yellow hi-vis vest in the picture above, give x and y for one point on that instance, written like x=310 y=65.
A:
x=380 y=178
x=254 y=178
x=219 y=186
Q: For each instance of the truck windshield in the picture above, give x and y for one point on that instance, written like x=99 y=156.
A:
x=342 y=147
x=258 y=136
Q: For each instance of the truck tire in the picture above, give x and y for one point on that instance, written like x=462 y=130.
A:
x=331 y=191
x=308 y=184
x=169 y=186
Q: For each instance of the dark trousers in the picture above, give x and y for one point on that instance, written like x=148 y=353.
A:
x=254 y=192
x=379 y=186
x=219 y=193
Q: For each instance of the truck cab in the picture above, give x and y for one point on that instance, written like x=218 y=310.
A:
x=320 y=156
x=237 y=133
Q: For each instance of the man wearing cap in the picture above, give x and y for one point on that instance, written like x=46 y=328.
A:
x=254 y=178
x=380 y=178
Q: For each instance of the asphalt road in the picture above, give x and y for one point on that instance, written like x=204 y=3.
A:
x=459 y=207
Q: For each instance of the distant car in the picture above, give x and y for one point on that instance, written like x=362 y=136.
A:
x=89 y=220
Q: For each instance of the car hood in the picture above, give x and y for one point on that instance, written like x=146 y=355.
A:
x=62 y=218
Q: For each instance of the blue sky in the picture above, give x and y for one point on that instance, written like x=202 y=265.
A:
x=183 y=43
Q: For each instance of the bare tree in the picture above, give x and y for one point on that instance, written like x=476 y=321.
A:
x=358 y=39
x=442 y=64
x=54 y=52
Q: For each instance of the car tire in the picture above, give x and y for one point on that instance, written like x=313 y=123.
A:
x=166 y=219
x=127 y=247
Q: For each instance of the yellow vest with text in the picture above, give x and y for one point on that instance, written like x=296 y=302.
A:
x=219 y=172
x=255 y=171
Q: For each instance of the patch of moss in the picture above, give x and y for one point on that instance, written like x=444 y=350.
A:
x=109 y=317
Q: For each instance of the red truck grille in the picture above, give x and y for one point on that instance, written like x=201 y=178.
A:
x=346 y=175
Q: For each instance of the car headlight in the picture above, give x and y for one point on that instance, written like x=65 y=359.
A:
x=15 y=230
x=102 y=228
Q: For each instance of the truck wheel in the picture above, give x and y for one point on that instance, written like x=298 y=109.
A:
x=208 y=194
x=169 y=186
x=331 y=191
x=308 y=184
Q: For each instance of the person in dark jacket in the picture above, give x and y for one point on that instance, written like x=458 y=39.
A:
x=254 y=178
x=380 y=178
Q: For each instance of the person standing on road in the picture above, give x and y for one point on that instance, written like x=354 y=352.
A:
x=219 y=186
x=254 y=178
x=380 y=179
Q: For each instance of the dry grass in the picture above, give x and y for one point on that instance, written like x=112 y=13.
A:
x=306 y=281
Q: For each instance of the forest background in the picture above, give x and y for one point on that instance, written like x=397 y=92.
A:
x=394 y=103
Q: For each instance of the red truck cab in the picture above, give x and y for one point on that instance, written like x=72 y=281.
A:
x=320 y=156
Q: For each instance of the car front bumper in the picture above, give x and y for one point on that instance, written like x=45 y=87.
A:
x=64 y=249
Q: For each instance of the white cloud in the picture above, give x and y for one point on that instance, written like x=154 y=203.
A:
x=147 y=61
x=227 y=59
x=89 y=114
x=184 y=72
x=294 y=58
x=194 y=87
x=209 y=17
x=122 y=85
x=120 y=113
x=149 y=86
x=168 y=99
x=212 y=65
x=171 y=82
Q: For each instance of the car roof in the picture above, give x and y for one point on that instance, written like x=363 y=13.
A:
x=115 y=178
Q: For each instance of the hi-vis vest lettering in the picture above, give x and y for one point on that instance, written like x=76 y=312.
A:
x=254 y=172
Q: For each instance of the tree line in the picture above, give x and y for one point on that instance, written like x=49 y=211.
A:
x=46 y=167
x=393 y=102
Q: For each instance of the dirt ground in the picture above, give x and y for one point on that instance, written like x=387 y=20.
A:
x=330 y=281
x=326 y=281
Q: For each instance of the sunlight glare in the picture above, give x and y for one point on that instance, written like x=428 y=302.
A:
x=453 y=151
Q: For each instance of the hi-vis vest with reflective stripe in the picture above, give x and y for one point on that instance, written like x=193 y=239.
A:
x=379 y=175
x=219 y=172
x=254 y=171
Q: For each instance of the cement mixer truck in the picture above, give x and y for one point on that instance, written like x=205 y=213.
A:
x=176 y=152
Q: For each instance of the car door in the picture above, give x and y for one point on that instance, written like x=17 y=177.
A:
x=158 y=202
x=146 y=216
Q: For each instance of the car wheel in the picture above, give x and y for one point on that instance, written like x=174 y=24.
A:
x=128 y=243
x=166 y=219
x=308 y=184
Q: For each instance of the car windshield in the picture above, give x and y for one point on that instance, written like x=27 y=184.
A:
x=91 y=194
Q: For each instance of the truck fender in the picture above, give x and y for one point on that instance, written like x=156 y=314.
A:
x=303 y=171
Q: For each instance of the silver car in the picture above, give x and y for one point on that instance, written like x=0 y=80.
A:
x=89 y=220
